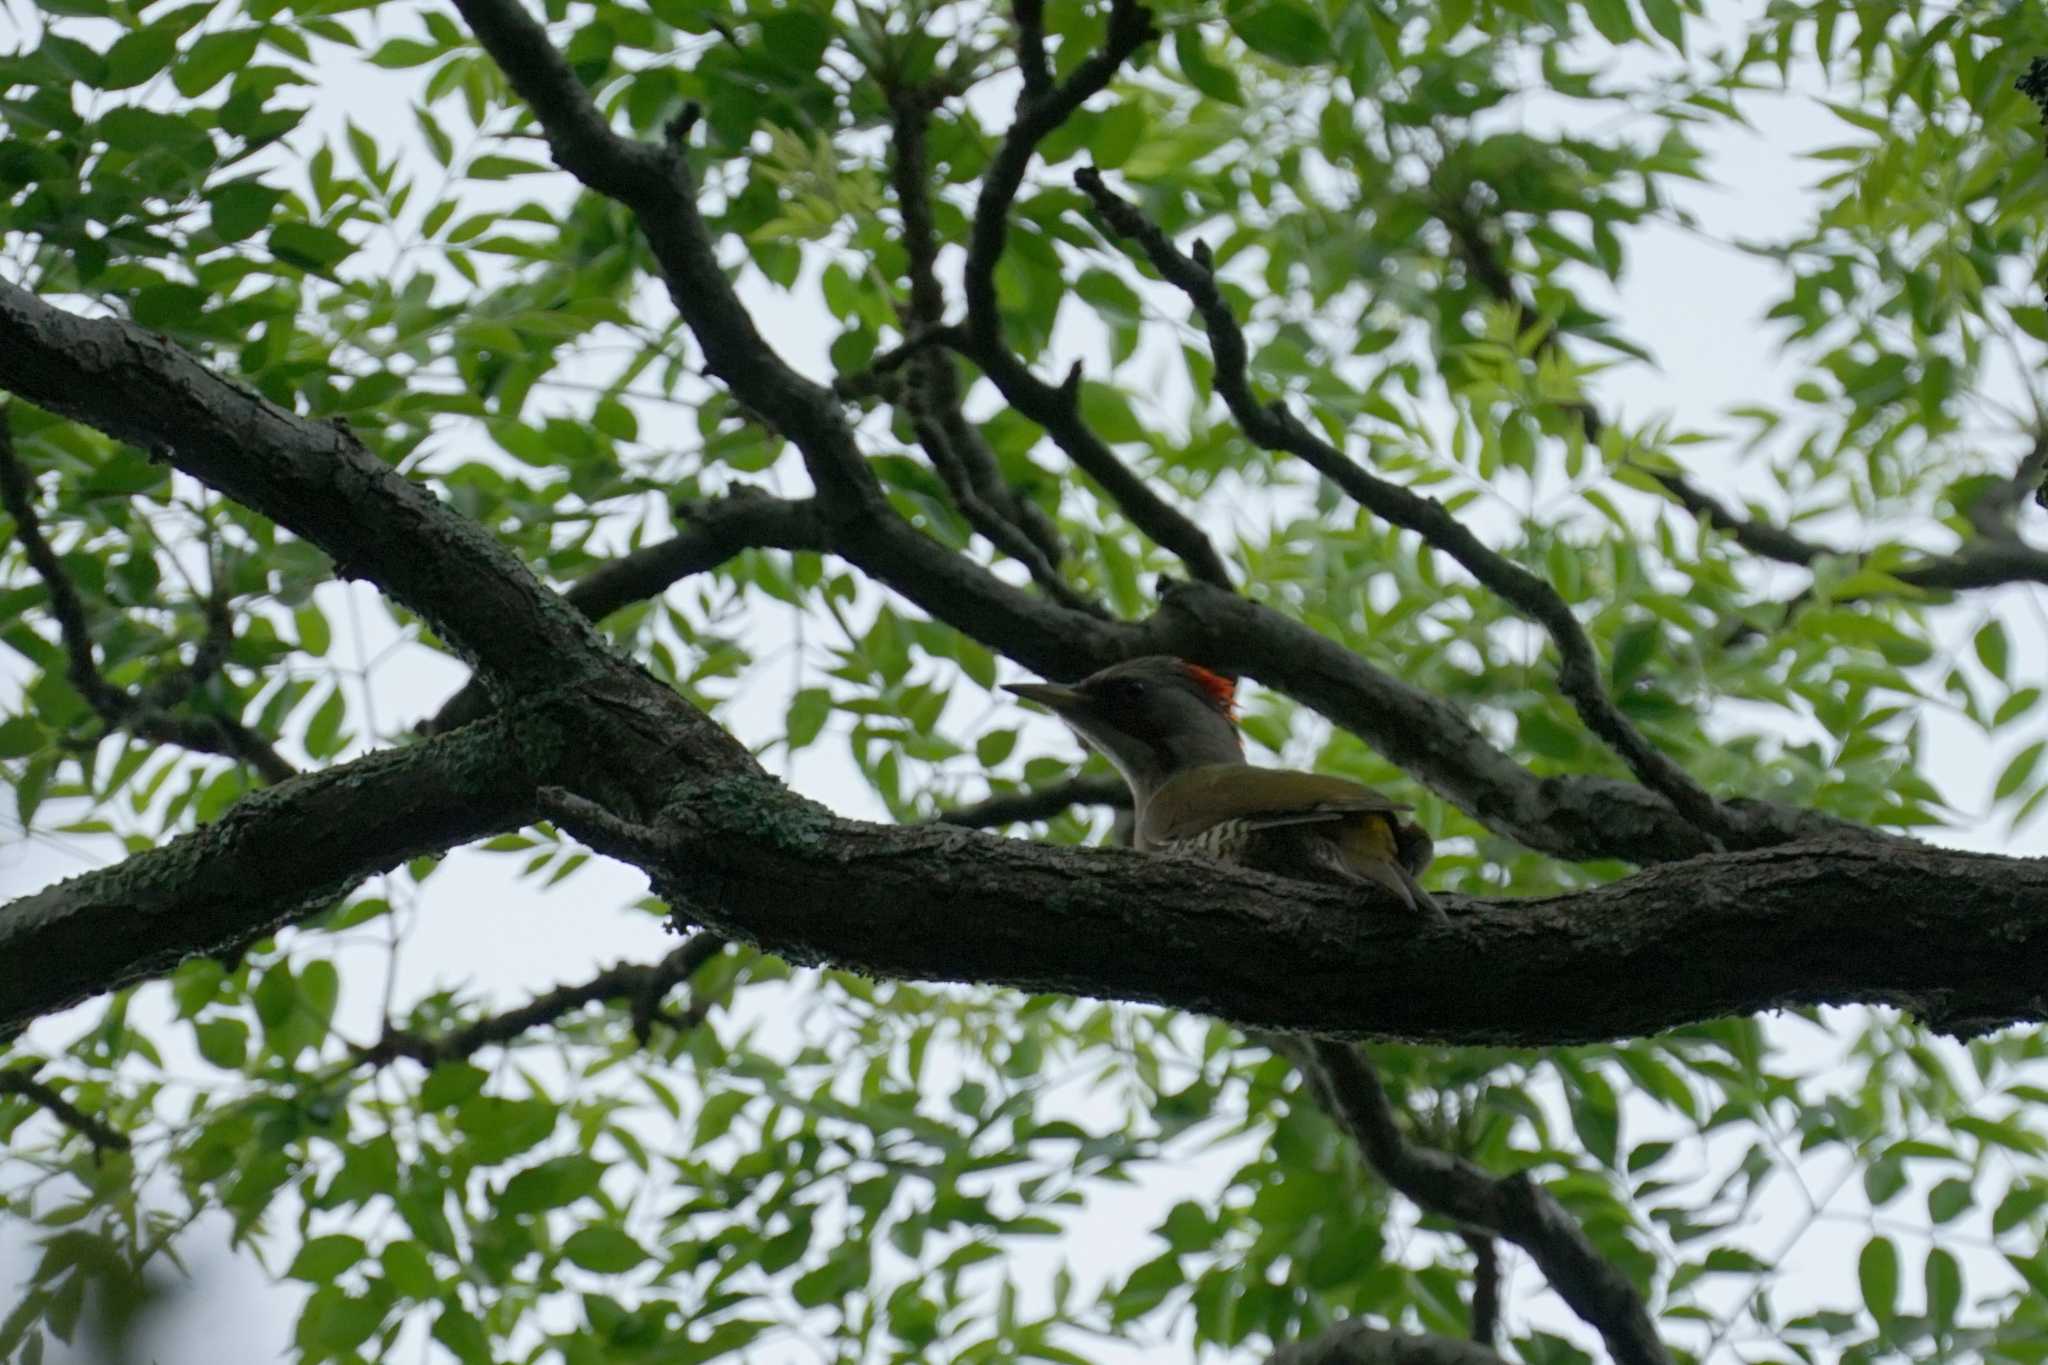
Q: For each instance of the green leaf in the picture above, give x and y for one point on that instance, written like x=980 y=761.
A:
x=1944 y=1280
x=323 y=1258
x=500 y=1129
x=1949 y=1199
x=1991 y=647
x=1204 y=72
x=551 y=1184
x=1285 y=30
x=605 y=1250
x=222 y=1041
x=334 y=1323
x=241 y=208
x=451 y=1083
x=310 y=248
x=717 y=1115
x=213 y=57
x=1877 y=1271
x=2018 y=770
x=138 y=55
x=462 y=1334
x=408 y=1270
x=1612 y=18
x=809 y=709
x=323 y=733
x=396 y=54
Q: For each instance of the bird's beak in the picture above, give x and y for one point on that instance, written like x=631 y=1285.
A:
x=1054 y=697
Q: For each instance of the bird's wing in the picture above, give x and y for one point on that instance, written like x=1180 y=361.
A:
x=1203 y=797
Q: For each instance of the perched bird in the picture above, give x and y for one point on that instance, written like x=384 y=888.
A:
x=1170 y=728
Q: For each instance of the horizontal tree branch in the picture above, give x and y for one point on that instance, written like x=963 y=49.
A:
x=276 y=857
x=1513 y=1206
x=1833 y=922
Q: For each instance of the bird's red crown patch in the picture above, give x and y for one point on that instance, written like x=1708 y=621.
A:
x=1221 y=690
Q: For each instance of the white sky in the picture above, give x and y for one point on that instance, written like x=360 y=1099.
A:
x=1700 y=305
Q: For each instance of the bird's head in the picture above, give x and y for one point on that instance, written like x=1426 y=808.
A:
x=1150 y=717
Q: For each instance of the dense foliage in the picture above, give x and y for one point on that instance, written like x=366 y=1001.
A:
x=1420 y=215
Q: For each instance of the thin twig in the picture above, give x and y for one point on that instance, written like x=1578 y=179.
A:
x=20 y=1081
x=146 y=716
x=1057 y=408
x=643 y=986
x=1009 y=521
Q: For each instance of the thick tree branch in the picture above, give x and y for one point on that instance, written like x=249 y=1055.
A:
x=643 y=986
x=145 y=715
x=313 y=478
x=20 y=1081
x=275 y=857
x=1807 y=924
x=1514 y=1207
x=1357 y=1343
x=1272 y=426
x=354 y=507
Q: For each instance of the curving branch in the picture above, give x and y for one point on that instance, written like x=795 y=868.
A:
x=313 y=478
x=1041 y=108
x=1010 y=521
x=145 y=714
x=1996 y=557
x=643 y=986
x=1514 y=1206
x=1273 y=427
x=21 y=1081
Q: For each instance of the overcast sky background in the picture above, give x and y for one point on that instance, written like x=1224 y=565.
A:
x=1699 y=303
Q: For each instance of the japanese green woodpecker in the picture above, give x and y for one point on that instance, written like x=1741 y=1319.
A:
x=1170 y=728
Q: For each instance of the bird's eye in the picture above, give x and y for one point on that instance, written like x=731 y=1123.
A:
x=1128 y=689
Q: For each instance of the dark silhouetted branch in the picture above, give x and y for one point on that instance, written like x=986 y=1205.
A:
x=1514 y=1207
x=1486 y=1281
x=1041 y=108
x=146 y=715
x=713 y=532
x=1272 y=426
x=643 y=986
x=19 y=1081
